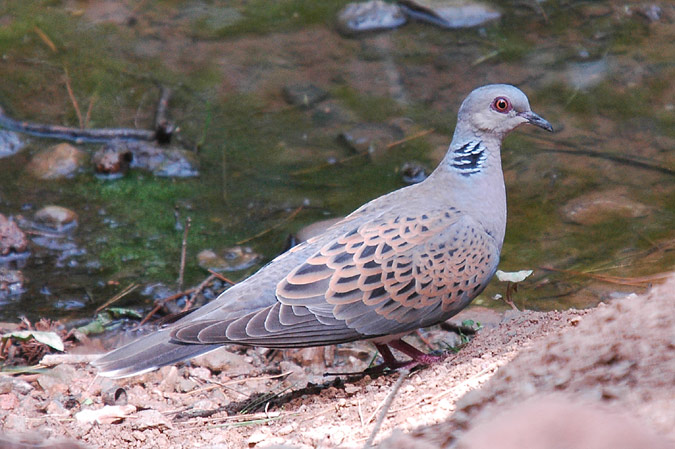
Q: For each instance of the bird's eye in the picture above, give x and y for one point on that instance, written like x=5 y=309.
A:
x=501 y=104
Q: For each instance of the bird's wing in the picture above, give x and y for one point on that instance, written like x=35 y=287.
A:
x=385 y=276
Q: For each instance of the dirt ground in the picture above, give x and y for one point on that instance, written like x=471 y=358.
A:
x=586 y=378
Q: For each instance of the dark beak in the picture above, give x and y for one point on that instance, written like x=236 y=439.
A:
x=536 y=120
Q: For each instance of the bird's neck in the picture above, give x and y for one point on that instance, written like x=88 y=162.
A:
x=472 y=172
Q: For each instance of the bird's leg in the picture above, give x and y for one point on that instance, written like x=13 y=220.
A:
x=418 y=357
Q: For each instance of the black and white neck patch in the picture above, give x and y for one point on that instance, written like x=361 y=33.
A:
x=469 y=158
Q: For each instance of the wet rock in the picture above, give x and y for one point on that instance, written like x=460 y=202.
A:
x=449 y=13
x=12 y=239
x=58 y=162
x=223 y=360
x=316 y=228
x=596 y=207
x=584 y=75
x=329 y=112
x=210 y=17
x=304 y=94
x=651 y=12
x=371 y=138
x=369 y=16
x=112 y=160
x=413 y=172
x=11 y=282
x=55 y=218
x=233 y=259
x=10 y=143
x=164 y=162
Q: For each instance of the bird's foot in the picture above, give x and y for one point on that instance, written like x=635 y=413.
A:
x=418 y=359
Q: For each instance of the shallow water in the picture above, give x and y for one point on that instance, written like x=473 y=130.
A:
x=601 y=72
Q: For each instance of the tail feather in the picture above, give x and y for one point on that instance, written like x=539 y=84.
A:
x=146 y=354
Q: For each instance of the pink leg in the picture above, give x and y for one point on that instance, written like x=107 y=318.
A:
x=418 y=357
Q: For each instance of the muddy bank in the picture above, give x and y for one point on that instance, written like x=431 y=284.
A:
x=615 y=363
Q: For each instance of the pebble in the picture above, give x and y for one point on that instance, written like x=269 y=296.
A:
x=450 y=14
x=222 y=360
x=10 y=143
x=55 y=218
x=233 y=259
x=413 y=172
x=369 y=16
x=11 y=282
x=12 y=238
x=371 y=138
x=112 y=160
x=304 y=94
x=57 y=162
x=597 y=207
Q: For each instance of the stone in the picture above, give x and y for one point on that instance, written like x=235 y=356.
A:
x=11 y=282
x=449 y=13
x=597 y=207
x=112 y=160
x=12 y=238
x=223 y=360
x=304 y=94
x=233 y=259
x=57 y=379
x=413 y=172
x=57 y=162
x=371 y=138
x=369 y=16
x=10 y=143
x=56 y=218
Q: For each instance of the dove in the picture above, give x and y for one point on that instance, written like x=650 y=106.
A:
x=406 y=260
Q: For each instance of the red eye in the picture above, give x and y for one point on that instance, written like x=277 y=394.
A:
x=501 y=104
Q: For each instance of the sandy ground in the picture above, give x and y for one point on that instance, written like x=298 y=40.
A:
x=595 y=378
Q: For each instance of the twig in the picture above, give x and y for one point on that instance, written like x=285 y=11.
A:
x=220 y=276
x=45 y=39
x=129 y=288
x=385 y=407
x=92 y=100
x=163 y=127
x=196 y=292
x=74 y=134
x=161 y=302
x=183 y=253
x=261 y=233
x=409 y=138
x=72 y=98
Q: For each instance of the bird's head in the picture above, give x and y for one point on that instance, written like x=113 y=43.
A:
x=498 y=109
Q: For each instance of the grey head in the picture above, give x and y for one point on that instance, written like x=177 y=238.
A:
x=497 y=109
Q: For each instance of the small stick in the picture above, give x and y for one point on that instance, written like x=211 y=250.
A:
x=260 y=234
x=72 y=98
x=128 y=289
x=197 y=291
x=161 y=302
x=385 y=407
x=221 y=277
x=45 y=39
x=92 y=100
x=183 y=252
x=163 y=127
x=74 y=134
x=414 y=136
